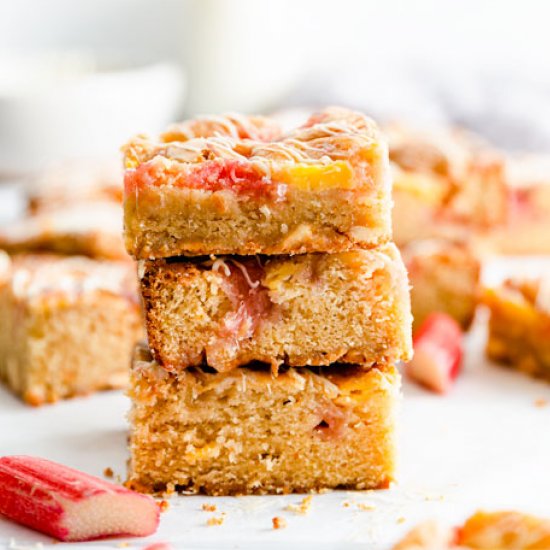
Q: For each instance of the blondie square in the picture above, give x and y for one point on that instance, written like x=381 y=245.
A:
x=67 y=325
x=519 y=325
x=221 y=186
x=310 y=309
x=447 y=183
x=527 y=228
x=83 y=228
x=76 y=182
x=444 y=277
x=247 y=432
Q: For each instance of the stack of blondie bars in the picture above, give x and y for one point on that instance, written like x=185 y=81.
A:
x=276 y=306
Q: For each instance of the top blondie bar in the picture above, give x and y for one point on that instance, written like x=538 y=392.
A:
x=236 y=185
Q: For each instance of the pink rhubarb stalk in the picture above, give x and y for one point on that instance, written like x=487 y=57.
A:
x=437 y=353
x=71 y=505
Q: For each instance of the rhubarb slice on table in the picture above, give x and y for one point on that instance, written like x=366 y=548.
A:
x=71 y=505
x=437 y=353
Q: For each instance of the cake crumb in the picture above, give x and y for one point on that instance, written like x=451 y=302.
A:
x=366 y=506
x=123 y=544
x=108 y=473
x=215 y=520
x=278 y=522
x=209 y=507
x=302 y=508
x=541 y=402
x=164 y=505
x=401 y=520
x=346 y=504
x=432 y=497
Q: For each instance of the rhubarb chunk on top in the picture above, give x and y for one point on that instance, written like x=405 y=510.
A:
x=234 y=185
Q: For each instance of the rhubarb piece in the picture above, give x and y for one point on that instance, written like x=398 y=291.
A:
x=71 y=505
x=437 y=353
x=444 y=277
x=246 y=432
x=67 y=325
x=216 y=186
x=447 y=183
x=519 y=325
x=308 y=309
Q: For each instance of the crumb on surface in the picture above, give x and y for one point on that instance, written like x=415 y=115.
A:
x=164 y=505
x=401 y=520
x=206 y=507
x=303 y=508
x=108 y=472
x=541 y=402
x=215 y=520
x=432 y=497
x=278 y=522
x=346 y=504
x=123 y=544
x=366 y=506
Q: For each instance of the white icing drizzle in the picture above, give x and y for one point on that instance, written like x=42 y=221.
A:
x=221 y=263
x=251 y=283
x=334 y=137
x=34 y=276
x=230 y=125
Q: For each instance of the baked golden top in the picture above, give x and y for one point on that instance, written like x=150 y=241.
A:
x=335 y=148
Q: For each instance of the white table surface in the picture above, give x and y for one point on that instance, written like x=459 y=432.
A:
x=486 y=444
